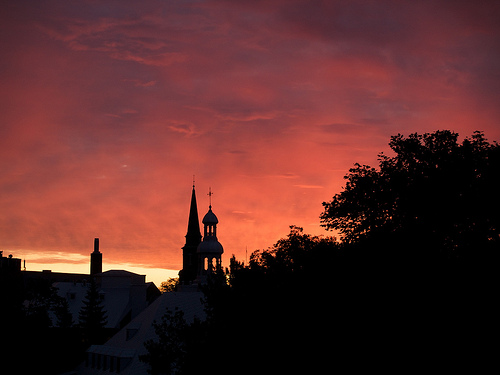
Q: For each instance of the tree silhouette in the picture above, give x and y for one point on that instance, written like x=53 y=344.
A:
x=42 y=303
x=64 y=319
x=435 y=194
x=264 y=317
x=42 y=335
x=272 y=316
x=167 y=355
x=92 y=316
x=421 y=238
x=410 y=285
x=170 y=285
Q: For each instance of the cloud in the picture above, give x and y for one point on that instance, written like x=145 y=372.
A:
x=52 y=257
x=342 y=128
x=268 y=102
x=139 y=83
x=186 y=129
x=247 y=117
x=159 y=59
x=288 y=175
x=309 y=186
x=126 y=38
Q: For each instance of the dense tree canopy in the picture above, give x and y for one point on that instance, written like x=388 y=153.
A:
x=261 y=318
x=395 y=294
x=434 y=193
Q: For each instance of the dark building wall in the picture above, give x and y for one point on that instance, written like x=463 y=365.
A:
x=95 y=263
x=9 y=264
x=53 y=277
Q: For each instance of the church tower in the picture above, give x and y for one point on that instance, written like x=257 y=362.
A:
x=209 y=250
x=96 y=259
x=193 y=238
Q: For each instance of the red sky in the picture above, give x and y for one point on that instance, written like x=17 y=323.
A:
x=108 y=108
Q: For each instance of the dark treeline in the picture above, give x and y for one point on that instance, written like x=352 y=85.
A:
x=38 y=331
x=411 y=284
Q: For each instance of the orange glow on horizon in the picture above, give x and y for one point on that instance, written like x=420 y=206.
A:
x=74 y=263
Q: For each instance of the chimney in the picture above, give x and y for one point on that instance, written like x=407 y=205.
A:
x=96 y=259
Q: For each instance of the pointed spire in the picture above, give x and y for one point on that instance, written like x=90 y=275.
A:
x=193 y=222
x=193 y=239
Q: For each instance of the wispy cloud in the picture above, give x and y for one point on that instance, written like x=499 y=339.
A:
x=304 y=186
x=186 y=129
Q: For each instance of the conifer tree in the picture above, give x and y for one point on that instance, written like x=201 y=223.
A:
x=64 y=319
x=92 y=315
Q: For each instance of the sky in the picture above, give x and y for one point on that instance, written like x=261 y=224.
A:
x=108 y=109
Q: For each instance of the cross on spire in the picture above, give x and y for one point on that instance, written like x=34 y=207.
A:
x=210 y=196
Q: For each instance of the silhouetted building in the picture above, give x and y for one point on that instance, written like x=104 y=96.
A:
x=210 y=249
x=9 y=264
x=96 y=259
x=120 y=354
x=123 y=294
x=193 y=238
x=31 y=278
x=200 y=259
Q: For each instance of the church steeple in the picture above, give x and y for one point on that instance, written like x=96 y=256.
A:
x=210 y=249
x=193 y=232
x=193 y=239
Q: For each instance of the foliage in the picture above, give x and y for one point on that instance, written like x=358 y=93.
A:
x=167 y=355
x=290 y=254
x=309 y=302
x=253 y=317
x=40 y=332
x=37 y=307
x=179 y=348
x=64 y=319
x=257 y=317
x=170 y=285
x=41 y=302
x=421 y=235
x=435 y=194
x=92 y=316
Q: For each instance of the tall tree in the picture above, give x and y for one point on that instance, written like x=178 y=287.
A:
x=64 y=319
x=92 y=316
x=434 y=194
x=168 y=354
x=421 y=235
x=270 y=316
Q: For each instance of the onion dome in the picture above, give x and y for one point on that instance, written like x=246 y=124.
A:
x=210 y=217
x=210 y=245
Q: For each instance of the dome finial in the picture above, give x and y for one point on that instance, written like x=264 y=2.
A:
x=210 y=196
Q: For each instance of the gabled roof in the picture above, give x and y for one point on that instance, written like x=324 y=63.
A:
x=128 y=343
x=117 y=273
